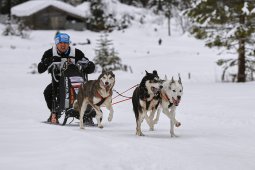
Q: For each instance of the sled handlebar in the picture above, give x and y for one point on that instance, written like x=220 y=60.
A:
x=53 y=69
x=83 y=63
x=60 y=66
x=54 y=65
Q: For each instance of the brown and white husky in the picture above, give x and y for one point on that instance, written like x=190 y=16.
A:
x=96 y=93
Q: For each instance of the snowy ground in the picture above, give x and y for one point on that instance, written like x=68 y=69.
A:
x=217 y=118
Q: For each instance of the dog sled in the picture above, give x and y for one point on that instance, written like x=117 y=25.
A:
x=69 y=77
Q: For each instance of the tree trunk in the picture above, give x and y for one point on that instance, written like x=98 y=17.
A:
x=241 y=61
x=9 y=9
x=160 y=5
x=169 y=25
x=241 y=56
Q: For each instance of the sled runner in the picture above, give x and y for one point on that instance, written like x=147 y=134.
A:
x=69 y=77
x=70 y=124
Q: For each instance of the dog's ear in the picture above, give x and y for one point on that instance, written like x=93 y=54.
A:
x=180 y=81
x=146 y=72
x=165 y=77
x=172 y=80
x=155 y=72
x=112 y=74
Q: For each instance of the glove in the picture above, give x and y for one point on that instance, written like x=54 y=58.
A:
x=90 y=68
x=47 y=61
x=55 y=59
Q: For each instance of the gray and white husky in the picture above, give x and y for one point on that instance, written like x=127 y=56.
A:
x=170 y=95
x=146 y=98
x=97 y=93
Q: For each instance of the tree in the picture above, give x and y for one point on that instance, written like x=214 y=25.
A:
x=97 y=19
x=229 y=25
x=107 y=58
x=170 y=8
x=6 y=5
x=16 y=29
x=103 y=18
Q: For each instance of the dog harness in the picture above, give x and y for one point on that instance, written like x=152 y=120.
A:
x=148 y=102
x=166 y=98
x=102 y=98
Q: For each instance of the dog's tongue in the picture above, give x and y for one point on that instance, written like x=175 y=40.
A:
x=176 y=102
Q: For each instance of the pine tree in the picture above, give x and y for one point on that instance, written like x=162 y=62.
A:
x=227 y=24
x=6 y=5
x=107 y=58
x=97 y=20
x=169 y=6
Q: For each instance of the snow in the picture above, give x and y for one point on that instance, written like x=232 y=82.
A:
x=30 y=7
x=253 y=11
x=245 y=9
x=121 y=11
x=85 y=8
x=217 y=118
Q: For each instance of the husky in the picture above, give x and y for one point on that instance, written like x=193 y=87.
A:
x=96 y=93
x=170 y=96
x=146 y=97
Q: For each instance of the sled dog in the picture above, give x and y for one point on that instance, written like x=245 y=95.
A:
x=96 y=93
x=146 y=98
x=170 y=96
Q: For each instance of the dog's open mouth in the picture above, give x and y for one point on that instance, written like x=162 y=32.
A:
x=176 y=102
x=154 y=90
x=107 y=87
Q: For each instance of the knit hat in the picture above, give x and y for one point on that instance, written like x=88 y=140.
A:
x=62 y=37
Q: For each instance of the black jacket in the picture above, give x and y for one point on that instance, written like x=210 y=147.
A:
x=51 y=55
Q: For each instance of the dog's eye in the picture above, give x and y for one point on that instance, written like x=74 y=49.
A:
x=174 y=90
x=180 y=90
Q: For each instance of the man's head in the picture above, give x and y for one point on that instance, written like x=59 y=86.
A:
x=62 y=41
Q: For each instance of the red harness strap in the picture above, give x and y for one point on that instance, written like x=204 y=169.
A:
x=102 y=98
x=165 y=97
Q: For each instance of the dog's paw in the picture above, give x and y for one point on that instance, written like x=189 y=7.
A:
x=177 y=124
x=81 y=127
x=139 y=134
x=173 y=135
x=151 y=128
x=101 y=126
x=110 y=118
